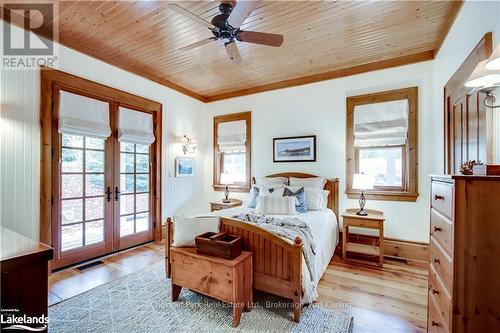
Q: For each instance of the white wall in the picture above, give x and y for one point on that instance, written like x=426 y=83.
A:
x=475 y=19
x=20 y=137
x=320 y=109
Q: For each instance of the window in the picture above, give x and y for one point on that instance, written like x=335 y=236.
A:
x=232 y=150
x=382 y=141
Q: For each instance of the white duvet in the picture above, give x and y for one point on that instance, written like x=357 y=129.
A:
x=323 y=225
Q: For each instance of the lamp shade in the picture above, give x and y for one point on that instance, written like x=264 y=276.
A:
x=481 y=77
x=226 y=179
x=363 y=182
x=493 y=62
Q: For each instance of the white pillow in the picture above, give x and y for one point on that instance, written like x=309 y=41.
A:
x=316 y=199
x=271 y=180
x=316 y=182
x=187 y=228
x=276 y=205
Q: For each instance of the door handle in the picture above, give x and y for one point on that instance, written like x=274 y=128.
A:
x=117 y=194
x=438 y=197
x=108 y=194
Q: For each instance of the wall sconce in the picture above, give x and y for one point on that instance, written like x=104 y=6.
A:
x=486 y=76
x=189 y=145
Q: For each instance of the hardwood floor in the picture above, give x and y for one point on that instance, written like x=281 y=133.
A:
x=388 y=299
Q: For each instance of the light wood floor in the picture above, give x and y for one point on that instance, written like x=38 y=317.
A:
x=388 y=299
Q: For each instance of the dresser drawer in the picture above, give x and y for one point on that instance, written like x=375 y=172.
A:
x=438 y=293
x=441 y=263
x=435 y=322
x=442 y=231
x=442 y=198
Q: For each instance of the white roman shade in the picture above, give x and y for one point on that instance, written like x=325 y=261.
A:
x=80 y=115
x=232 y=136
x=381 y=124
x=135 y=127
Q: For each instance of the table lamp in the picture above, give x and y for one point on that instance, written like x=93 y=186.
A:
x=226 y=179
x=362 y=182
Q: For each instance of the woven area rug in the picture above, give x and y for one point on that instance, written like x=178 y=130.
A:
x=141 y=302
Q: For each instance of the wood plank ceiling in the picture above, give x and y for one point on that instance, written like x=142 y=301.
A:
x=321 y=37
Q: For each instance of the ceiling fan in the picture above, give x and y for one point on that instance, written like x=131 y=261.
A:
x=226 y=27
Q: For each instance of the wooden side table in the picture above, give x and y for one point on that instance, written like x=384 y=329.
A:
x=374 y=220
x=226 y=280
x=219 y=205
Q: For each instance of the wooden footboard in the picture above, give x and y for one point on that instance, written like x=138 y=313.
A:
x=277 y=263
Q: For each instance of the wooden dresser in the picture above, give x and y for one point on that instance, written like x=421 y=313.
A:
x=464 y=269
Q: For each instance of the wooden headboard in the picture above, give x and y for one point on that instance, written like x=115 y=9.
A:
x=332 y=185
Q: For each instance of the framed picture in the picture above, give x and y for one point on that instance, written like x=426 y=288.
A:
x=295 y=149
x=184 y=167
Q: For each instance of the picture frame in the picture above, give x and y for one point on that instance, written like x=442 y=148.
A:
x=294 y=149
x=184 y=166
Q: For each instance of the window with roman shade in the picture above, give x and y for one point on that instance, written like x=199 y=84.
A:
x=232 y=150
x=135 y=127
x=382 y=141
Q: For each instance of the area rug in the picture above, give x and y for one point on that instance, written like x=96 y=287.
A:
x=140 y=302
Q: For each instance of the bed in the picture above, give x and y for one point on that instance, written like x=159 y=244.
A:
x=278 y=264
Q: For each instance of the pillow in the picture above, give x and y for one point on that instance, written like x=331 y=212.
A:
x=187 y=228
x=316 y=182
x=316 y=199
x=271 y=180
x=300 y=194
x=261 y=190
x=276 y=205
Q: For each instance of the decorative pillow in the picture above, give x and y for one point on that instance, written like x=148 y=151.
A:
x=300 y=194
x=187 y=228
x=271 y=180
x=316 y=199
x=276 y=205
x=263 y=190
x=316 y=182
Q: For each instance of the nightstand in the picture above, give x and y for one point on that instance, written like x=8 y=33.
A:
x=374 y=220
x=219 y=205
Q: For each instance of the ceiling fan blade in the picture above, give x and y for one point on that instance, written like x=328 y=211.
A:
x=240 y=13
x=260 y=38
x=189 y=15
x=232 y=52
x=195 y=45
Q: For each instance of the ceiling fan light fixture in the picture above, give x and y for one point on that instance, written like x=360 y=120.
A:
x=494 y=60
x=482 y=77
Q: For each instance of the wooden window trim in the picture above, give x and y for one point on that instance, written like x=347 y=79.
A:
x=51 y=79
x=410 y=175
x=217 y=164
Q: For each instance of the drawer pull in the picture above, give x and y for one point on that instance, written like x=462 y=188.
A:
x=433 y=323
x=434 y=291
x=438 y=197
x=435 y=260
x=437 y=228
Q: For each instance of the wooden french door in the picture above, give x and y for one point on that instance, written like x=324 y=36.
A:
x=102 y=192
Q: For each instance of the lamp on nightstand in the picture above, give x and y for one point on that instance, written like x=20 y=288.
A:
x=362 y=182
x=226 y=179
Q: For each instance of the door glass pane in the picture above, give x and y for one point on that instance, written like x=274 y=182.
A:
x=142 y=222
x=94 y=208
x=127 y=183
x=142 y=163
x=71 y=186
x=94 y=232
x=71 y=160
x=71 y=211
x=126 y=162
x=94 y=184
x=94 y=161
x=126 y=225
x=126 y=204
x=142 y=183
x=91 y=143
x=142 y=203
x=72 y=141
x=71 y=236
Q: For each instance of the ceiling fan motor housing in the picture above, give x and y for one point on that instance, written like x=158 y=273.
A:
x=224 y=31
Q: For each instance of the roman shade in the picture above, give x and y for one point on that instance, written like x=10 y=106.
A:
x=232 y=136
x=381 y=124
x=80 y=115
x=135 y=127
